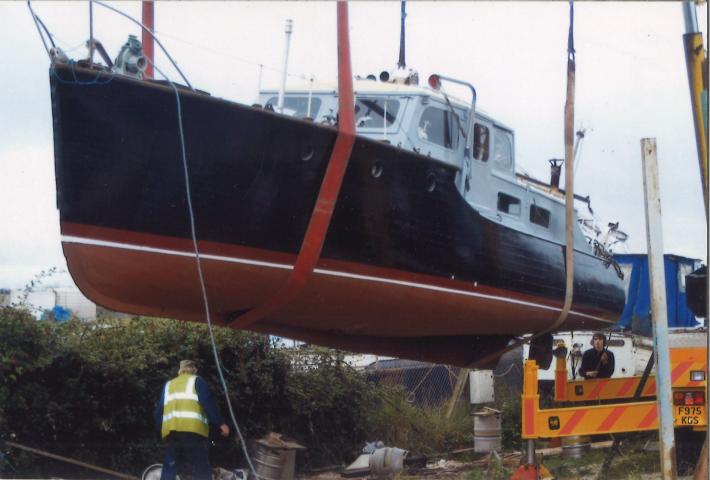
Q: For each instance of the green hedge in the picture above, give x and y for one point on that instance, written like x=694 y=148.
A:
x=87 y=391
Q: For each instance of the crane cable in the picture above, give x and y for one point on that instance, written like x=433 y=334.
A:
x=198 y=259
x=198 y=262
x=193 y=234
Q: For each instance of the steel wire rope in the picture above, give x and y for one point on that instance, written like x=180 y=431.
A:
x=413 y=393
x=52 y=37
x=38 y=21
x=507 y=371
x=198 y=262
x=233 y=57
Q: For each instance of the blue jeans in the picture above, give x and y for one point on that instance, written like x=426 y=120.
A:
x=192 y=446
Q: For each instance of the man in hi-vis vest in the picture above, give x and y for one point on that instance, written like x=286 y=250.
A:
x=184 y=413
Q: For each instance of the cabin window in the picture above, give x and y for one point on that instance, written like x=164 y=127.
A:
x=439 y=126
x=481 y=139
x=539 y=216
x=297 y=106
x=508 y=204
x=372 y=112
x=502 y=151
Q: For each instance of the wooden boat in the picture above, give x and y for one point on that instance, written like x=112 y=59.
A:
x=436 y=250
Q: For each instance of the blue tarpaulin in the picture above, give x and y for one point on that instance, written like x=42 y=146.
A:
x=637 y=311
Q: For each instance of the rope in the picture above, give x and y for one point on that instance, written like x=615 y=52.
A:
x=76 y=81
x=198 y=262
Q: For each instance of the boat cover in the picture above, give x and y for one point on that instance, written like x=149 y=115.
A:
x=637 y=310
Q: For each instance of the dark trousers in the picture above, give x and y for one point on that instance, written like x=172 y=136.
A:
x=185 y=444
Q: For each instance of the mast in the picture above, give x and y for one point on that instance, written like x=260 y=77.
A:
x=284 y=72
x=401 y=63
x=148 y=47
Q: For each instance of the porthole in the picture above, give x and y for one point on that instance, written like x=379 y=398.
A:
x=307 y=153
x=430 y=183
x=376 y=170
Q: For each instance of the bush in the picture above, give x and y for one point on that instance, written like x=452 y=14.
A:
x=421 y=430
x=87 y=391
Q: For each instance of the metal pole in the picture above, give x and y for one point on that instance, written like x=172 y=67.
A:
x=258 y=81
x=531 y=452
x=694 y=59
x=91 y=32
x=384 y=122
x=654 y=239
x=690 y=17
x=289 y=29
x=310 y=96
x=148 y=21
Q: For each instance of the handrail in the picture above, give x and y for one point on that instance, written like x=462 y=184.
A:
x=435 y=83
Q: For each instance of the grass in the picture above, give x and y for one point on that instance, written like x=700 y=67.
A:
x=628 y=463
x=495 y=471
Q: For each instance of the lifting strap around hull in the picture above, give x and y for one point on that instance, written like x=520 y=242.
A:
x=329 y=191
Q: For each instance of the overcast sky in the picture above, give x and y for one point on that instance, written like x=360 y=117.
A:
x=631 y=84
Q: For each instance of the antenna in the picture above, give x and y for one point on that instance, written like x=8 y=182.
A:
x=401 y=64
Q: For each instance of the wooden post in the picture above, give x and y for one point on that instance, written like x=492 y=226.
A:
x=654 y=238
x=70 y=460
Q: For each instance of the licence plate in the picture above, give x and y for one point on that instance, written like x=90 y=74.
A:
x=689 y=415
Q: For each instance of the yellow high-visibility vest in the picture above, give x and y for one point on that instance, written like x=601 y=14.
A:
x=182 y=411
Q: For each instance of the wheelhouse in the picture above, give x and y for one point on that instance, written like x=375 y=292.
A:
x=434 y=124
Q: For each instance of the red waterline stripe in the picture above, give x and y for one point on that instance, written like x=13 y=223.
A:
x=319 y=223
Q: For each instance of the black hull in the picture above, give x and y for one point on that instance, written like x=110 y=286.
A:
x=255 y=176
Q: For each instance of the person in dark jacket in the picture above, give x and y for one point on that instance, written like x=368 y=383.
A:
x=184 y=413
x=598 y=361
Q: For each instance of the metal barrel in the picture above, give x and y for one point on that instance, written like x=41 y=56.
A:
x=575 y=446
x=387 y=461
x=486 y=431
x=268 y=462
